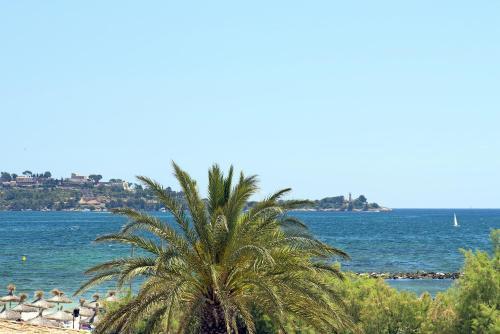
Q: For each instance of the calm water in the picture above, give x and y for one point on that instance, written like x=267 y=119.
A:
x=58 y=245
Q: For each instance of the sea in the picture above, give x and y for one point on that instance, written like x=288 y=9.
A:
x=58 y=246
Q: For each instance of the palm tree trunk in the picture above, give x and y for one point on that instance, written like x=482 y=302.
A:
x=212 y=320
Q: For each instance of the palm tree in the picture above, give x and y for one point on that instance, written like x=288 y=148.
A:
x=216 y=261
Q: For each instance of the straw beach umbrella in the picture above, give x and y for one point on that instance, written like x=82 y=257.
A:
x=89 y=320
x=59 y=316
x=9 y=314
x=95 y=303
x=41 y=321
x=84 y=311
x=10 y=297
x=22 y=307
x=39 y=302
x=59 y=297
x=112 y=297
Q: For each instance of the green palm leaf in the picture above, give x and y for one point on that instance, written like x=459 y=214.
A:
x=215 y=263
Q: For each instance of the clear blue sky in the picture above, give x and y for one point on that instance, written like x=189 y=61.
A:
x=397 y=100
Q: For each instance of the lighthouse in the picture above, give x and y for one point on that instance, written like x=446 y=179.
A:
x=350 y=206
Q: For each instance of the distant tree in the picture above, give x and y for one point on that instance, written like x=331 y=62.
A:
x=331 y=202
x=5 y=177
x=47 y=175
x=360 y=203
x=27 y=173
x=13 y=175
x=115 y=180
x=95 y=178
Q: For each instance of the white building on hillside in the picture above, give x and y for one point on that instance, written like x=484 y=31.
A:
x=25 y=180
x=79 y=179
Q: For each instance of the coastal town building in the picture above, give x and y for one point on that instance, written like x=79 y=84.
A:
x=25 y=180
x=9 y=183
x=91 y=203
x=78 y=179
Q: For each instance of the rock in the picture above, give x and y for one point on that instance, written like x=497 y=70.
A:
x=414 y=275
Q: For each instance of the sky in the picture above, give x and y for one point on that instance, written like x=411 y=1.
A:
x=396 y=100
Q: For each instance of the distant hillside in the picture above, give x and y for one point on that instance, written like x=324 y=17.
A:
x=340 y=203
x=41 y=192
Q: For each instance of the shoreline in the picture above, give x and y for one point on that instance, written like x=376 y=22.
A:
x=381 y=209
x=106 y=210
x=411 y=275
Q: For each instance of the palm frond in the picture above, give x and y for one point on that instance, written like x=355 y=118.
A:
x=141 y=242
x=171 y=204
x=222 y=263
x=145 y=222
x=96 y=280
x=195 y=204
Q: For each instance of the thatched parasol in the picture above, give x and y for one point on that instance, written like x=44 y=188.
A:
x=41 y=321
x=22 y=307
x=88 y=320
x=39 y=302
x=10 y=297
x=95 y=304
x=85 y=320
x=112 y=297
x=9 y=314
x=59 y=316
x=59 y=297
x=84 y=311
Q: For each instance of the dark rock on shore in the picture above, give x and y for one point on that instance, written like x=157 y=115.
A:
x=414 y=275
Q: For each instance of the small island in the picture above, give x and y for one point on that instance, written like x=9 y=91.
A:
x=341 y=203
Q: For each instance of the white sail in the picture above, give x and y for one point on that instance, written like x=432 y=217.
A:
x=455 y=221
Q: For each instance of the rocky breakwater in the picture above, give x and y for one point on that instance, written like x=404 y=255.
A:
x=416 y=275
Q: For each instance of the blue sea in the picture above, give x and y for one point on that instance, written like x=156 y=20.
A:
x=58 y=245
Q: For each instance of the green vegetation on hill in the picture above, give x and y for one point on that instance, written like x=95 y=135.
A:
x=94 y=198
x=45 y=193
x=341 y=203
x=38 y=199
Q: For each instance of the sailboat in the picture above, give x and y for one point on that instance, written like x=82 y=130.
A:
x=455 y=221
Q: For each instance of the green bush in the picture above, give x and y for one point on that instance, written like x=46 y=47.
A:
x=377 y=308
x=477 y=293
x=471 y=305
